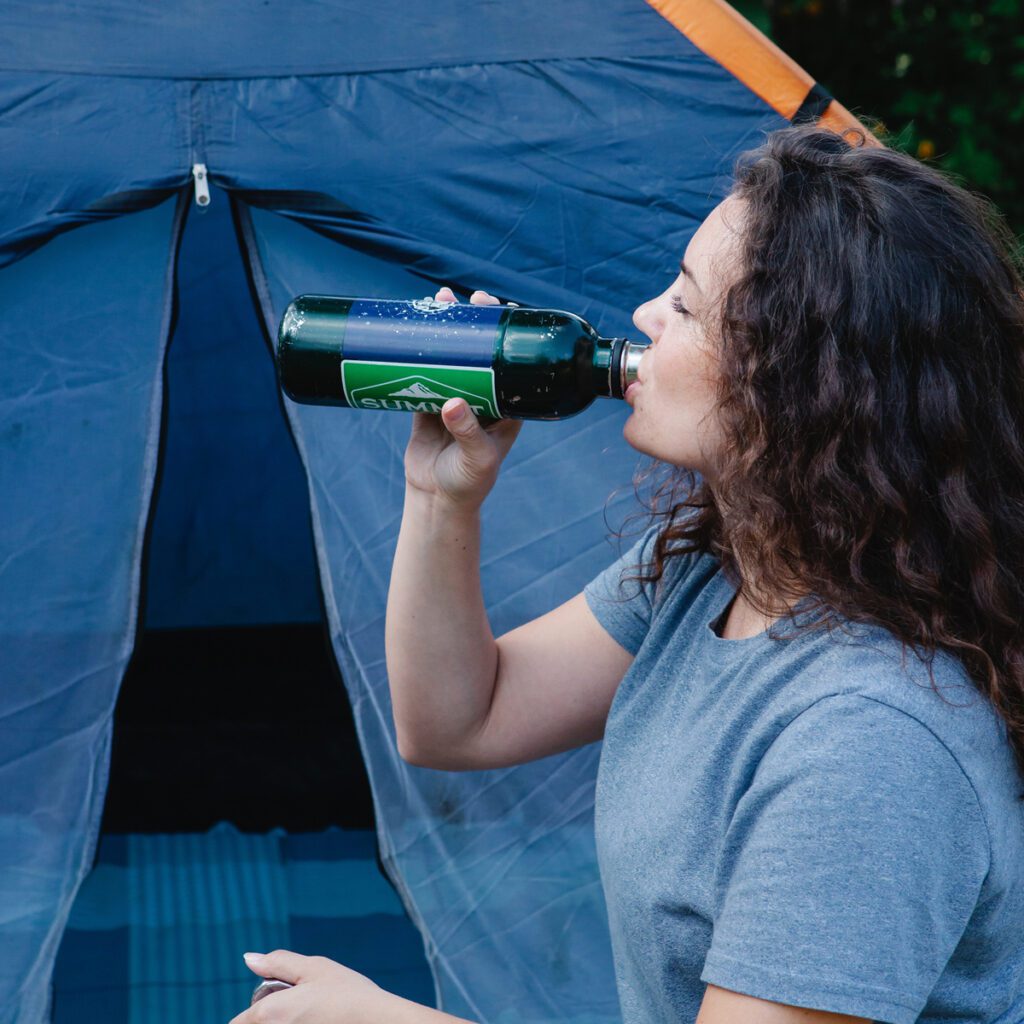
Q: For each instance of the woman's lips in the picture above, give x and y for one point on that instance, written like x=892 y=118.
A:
x=631 y=390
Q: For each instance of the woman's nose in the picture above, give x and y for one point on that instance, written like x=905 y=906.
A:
x=645 y=319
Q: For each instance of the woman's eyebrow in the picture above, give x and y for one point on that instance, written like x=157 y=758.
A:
x=689 y=273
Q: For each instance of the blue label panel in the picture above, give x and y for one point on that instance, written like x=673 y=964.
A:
x=424 y=331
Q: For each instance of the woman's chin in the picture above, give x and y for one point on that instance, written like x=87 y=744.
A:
x=634 y=438
x=680 y=459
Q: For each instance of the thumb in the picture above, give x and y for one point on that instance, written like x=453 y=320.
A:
x=281 y=964
x=462 y=424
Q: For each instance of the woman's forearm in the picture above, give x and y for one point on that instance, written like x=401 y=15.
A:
x=441 y=656
x=405 y=1011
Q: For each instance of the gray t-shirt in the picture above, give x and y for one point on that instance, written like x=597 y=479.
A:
x=801 y=820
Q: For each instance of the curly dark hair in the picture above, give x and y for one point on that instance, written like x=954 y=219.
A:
x=872 y=400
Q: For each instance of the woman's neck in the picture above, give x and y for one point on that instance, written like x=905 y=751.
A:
x=744 y=617
x=743 y=620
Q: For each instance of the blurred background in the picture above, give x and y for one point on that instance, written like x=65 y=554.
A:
x=941 y=80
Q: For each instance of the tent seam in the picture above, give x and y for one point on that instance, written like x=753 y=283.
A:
x=366 y=71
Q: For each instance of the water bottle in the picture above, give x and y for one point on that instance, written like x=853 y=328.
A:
x=507 y=362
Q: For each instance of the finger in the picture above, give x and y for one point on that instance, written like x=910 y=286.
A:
x=445 y=295
x=480 y=298
x=504 y=434
x=283 y=964
x=426 y=425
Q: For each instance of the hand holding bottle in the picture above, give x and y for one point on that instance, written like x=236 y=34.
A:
x=453 y=456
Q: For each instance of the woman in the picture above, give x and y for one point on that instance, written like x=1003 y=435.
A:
x=809 y=671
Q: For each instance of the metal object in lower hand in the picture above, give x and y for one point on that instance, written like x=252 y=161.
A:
x=264 y=988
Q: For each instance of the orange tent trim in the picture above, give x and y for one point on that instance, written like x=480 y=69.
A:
x=728 y=38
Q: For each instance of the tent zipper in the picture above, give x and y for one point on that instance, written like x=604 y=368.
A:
x=202 y=186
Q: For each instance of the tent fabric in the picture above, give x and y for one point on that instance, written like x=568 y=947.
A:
x=86 y=322
x=551 y=156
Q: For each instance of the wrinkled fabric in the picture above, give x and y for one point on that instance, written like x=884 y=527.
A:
x=546 y=154
x=590 y=169
x=86 y=321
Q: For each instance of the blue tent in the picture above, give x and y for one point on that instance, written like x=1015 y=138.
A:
x=557 y=153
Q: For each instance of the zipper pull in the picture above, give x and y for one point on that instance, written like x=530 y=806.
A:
x=202 y=186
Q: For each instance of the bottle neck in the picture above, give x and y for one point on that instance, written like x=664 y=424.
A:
x=616 y=362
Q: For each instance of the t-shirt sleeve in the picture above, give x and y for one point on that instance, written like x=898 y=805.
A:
x=851 y=866
x=623 y=606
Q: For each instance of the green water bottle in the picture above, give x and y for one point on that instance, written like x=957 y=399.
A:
x=508 y=362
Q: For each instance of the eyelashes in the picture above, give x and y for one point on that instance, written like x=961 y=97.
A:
x=678 y=306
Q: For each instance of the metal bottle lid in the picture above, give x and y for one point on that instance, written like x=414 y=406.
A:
x=630 y=367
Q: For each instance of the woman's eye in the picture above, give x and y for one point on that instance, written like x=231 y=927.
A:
x=678 y=306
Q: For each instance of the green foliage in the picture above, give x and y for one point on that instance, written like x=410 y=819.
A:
x=943 y=80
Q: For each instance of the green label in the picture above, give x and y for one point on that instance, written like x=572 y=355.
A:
x=417 y=387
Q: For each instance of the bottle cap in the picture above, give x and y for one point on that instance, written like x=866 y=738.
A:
x=264 y=988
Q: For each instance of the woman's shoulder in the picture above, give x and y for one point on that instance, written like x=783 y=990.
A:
x=869 y=690
x=678 y=566
x=869 y=661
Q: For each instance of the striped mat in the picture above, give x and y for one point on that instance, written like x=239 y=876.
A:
x=157 y=933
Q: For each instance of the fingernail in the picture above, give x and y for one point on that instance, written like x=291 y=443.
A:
x=457 y=412
x=253 y=958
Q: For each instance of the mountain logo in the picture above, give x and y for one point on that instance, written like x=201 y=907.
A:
x=418 y=390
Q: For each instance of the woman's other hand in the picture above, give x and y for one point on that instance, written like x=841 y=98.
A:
x=324 y=992
x=452 y=456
